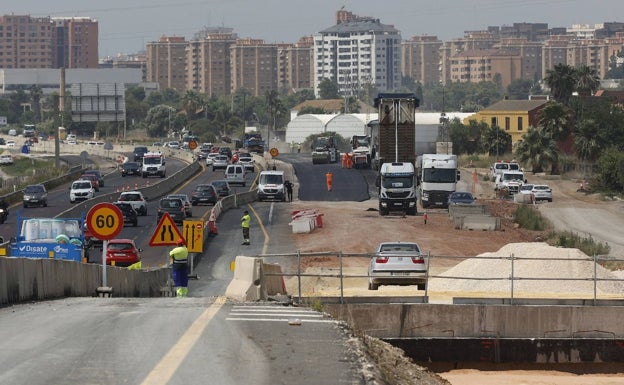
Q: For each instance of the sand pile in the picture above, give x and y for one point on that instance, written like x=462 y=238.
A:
x=573 y=270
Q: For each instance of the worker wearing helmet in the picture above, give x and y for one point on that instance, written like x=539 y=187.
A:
x=179 y=263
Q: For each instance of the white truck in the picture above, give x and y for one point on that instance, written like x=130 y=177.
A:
x=509 y=181
x=153 y=165
x=397 y=188
x=437 y=176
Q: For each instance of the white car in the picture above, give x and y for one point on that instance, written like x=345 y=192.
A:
x=136 y=199
x=397 y=263
x=210 y=158
x=6 y=159
x=81 y=189
x=10 y=143
x=174 y=144
x=542 y=192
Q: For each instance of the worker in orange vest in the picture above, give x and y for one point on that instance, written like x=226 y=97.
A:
x=329 y=178
x=344 y=160
x=350 y=160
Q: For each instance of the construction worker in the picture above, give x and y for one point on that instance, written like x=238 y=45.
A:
x=344 y=160
x=245 y=222
x=289 y=189
x=179 y=266
x=329 y=179
x=299 y=148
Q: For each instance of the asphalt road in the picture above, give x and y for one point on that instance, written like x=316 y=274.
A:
x=198 y=339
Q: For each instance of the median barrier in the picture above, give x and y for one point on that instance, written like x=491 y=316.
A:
x=477 y=222
x=461 y=210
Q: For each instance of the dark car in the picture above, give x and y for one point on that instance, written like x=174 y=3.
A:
x=461 y=198
x=130 y=168
x=139 y=152
x=97 y=173
x=131 y=217
x=173 y=206
x=226 y=151
x=223 y=187
x=35 y=195
x=204 y=193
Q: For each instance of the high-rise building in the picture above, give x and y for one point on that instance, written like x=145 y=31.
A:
x=26 y=42
x=208 y=62
x=474 y=66
x=295 y=65
x=421 y=59
x=358 y=51
x=44 y=42
x=166 y=62
x=529 y=51
x=76 y=44
x=253 y=66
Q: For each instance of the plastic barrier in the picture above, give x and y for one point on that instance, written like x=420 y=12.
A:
x=246 y=284
x=304 y=221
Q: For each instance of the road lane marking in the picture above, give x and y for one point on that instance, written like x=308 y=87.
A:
x=167 y=366
x=265 y=245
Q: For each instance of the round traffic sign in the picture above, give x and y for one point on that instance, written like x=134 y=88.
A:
x=274 y=152
x=105 y=221
x=192 y=144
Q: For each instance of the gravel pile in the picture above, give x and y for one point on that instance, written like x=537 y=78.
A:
x=537 y=260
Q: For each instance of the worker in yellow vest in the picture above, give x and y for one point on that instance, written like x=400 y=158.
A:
x=179 y=266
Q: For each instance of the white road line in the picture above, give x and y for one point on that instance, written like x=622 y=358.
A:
x=278 y=320
x=279 y=314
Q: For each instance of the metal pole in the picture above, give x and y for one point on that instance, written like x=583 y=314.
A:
x=299 y=273
x=397 y=106
x=341 y=279
x=595 y=283
x=104 y=247
x=512 y=278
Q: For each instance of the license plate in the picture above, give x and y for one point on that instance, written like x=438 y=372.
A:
x=400 y=273
x=398 y=204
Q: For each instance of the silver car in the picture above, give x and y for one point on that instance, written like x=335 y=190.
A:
x=220 y=162
x=397 y=263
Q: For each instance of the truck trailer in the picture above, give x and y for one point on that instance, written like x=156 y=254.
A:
x=437 y=175
x=393 y=141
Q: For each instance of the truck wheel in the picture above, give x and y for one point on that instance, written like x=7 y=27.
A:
x=421 y=286
x=383 y=212
x=411 y=211
x=373 y=286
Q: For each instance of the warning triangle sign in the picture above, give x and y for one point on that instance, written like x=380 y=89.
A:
x=166 y=233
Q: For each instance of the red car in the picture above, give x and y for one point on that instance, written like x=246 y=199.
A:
x=95 y=181
x=122 y=252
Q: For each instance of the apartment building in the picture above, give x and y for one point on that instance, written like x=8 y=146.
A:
x=208 y=67
x=76 y=43
x=166 y=62
x=472 y=41
x=420 y=59
x=253 y=66
x=26 y=42
x=44 y=42
x=295 y=65
x=485 y=65
x=530 y=53
x=358 y=51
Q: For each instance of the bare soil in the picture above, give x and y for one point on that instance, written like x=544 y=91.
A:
x=356 y=227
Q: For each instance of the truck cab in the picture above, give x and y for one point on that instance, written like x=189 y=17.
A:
x=153 y=165
x=438 y=175
x=397 y=188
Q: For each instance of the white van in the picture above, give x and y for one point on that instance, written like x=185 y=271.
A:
x=271 y=186
x=235 y=173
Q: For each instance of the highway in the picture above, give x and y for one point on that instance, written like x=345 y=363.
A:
x=198 y=339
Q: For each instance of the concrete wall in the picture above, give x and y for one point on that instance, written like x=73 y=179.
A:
x=477 y=321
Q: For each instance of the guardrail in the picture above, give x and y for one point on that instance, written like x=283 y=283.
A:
x=332 y=268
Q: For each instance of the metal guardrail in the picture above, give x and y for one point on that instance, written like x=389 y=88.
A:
x=337 y=271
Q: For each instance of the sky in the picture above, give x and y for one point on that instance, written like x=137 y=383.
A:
x=126 y=26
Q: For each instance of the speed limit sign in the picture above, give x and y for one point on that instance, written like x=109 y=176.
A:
x=105 y=221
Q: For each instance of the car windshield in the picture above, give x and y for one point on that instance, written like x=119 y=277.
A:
x=170 y=203
x=398 y=182
x=182 y=197
x=130 y=165
x=130 y=197
x=152 y=160
x=203 y=188
x=270 y=179
x=461 y=196
x=33 y=189
x=81 y=185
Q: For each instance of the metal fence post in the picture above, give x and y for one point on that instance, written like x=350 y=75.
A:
x=341 y=279
x=512 y=279
x=299 y=273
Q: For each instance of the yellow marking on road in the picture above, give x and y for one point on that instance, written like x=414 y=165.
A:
x=265 y=245
x=164 y=370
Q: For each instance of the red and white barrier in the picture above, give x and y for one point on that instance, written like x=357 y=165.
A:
x=305 y=221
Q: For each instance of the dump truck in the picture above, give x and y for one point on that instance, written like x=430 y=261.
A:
x=393 y=140
x=324 y=150
x=361 y=150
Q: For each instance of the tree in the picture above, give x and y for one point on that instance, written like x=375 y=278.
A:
x=158 y=119
x=35 y=98
x=519 y=89
x=467 y=139
x=554 y=119
x=496 y=141
x=561 y=80
x=328 y=89
x=611 y=170
x=587 y=142
x=192 y=102
x=587 y=81
x=274 y=105
x=537 y=149
x=311 y=110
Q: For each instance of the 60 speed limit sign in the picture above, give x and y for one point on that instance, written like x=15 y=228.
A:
x=105 y=221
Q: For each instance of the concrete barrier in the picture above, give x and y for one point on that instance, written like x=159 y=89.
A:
x=463 y=210
x=477 y=222
x=246 y=284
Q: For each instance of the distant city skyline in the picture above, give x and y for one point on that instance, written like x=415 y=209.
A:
x=126 y=27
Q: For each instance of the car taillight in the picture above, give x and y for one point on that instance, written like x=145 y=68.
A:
x=418 y=260
x=381 y=259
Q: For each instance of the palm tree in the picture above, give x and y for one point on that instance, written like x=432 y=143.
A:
x=555 y=119
x=586 y=140
x=587 y=81
x=192 y=102
x=274 y=105
x=537 y=149
x=562 y=81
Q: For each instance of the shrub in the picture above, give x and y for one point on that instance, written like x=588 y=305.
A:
x=528 y=218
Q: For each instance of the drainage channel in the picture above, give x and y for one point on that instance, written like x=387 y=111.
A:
x=484 y=351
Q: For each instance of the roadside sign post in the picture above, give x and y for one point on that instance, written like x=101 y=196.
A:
x=105 y=221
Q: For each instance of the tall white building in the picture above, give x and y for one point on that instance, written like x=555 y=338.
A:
x=357 y=52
